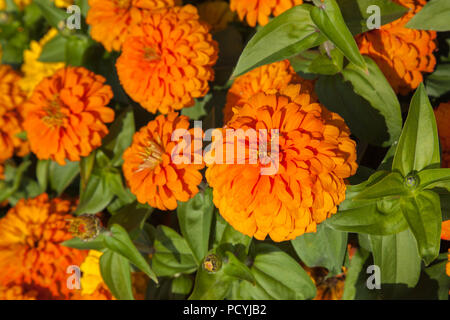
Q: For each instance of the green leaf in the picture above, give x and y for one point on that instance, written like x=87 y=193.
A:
x=284 y=36
x=121 y=243
x=62 y=176
x=53 y=15
x=131 y=217
x=194 y=217
x=86 y=167
x=418 y=147
x=76 y=47
x=375 y=89
x=182 y=284
x=172 y=253
x=237 y=269
x=116 y=272
x=397 y=257
x=327 y=63
x=32 y=15
x=391 y=185
x=438 y=83
x=329 y=20
x=325 y=248
x=13 y=179
x=435 y=178
x=364 y=121
x=84 y=6
x=356 y=16
x=423 y=214
x=120 y=136
x=198 y=109
x=97 y=194
x=42 y=169
x=356 y=266
x=94 y=244
x=435 y=15
x=54 y=50
x=278 y=277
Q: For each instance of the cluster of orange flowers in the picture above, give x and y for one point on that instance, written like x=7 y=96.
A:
x=402 y=54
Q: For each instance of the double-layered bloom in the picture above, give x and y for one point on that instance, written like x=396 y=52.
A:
x=151 y=172
x=11 y=99
x=65 y=116
x=269 y=79
x=34 y=71
x=402 y=54
x=31 y=254
x=259 y=11
x=314 y=156
x=111 y=20
x=167 y=60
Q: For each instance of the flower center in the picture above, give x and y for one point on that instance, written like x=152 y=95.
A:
x=54 y=115
x=150 y=54
x=151 y=156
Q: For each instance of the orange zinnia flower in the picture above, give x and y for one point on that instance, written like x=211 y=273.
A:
x=328 y=288
x=148 y=167
x=402 y=54
x=11 y=98
x=269 y=79
x=167 y=61
x=260 y=10
x=31 y=253
x=110 y=20
x=16 y=292
x=315 y=155
x=65 y=116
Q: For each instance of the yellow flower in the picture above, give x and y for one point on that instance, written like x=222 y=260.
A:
x=216 y=13
x=23 y=3
x=91 y=278
x=33 y=69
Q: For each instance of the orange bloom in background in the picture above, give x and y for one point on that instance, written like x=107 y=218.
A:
x=148 y=167
x=31 y=254
x=402 y=54
x=445 y=231
x=328 y=288
x=315 y=154
x=65 y=116
x=2 y=172
x=216 y=13
x=110 y=20
x=16 y=292
x=442 y=114
x=168 y=60
x=11 y=99
x=269 y=79
x=259 y=11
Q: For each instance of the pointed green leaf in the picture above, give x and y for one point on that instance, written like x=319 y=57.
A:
x=97 y=194
x=172 y=253
x=54 y=16
x=397 y=257
x=120 y=136
x=418 y=147
x=42 y=168
x=286 y=35
x=375 y=89
x=54 y=50
x=328 y=18
x=391 y=185
x=194 y=217
x=62 y=176
x=435 y=15
x=94 y=244
x=116 y=272
x=435 y=178
x=356 y=13
x=121 y=243
x=354 y=270
x=237 y=269
x=423 y=214
x=278 y=277
x=325 y=248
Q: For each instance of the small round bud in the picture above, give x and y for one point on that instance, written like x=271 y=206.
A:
x=86 y=227
x=212 y=263
x=412 y=180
